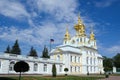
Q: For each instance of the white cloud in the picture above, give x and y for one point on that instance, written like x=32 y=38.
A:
x=114 y=49
x=13 y=9
x=34 y=35
x=61 y=10
x=62 y=13
x=104 y=3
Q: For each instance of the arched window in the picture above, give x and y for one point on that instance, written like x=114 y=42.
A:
x=35 y=67
x=11 y=66
x=45 y=68
x=65 y=42
x=58 y=57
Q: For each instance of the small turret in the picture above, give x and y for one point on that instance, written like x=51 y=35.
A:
x=92 y=35
x=67 y=36
x=92 y=39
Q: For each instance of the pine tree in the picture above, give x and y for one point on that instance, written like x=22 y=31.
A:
x=8 y=49
x=45 y=53
x=54 y=73
x=33 y=52
x=15 y=48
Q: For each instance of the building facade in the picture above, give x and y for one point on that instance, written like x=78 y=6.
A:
x=78 y=53
x=36 y=65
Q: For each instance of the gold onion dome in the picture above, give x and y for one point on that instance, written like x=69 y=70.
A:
x=80 y=28
x=77 y=26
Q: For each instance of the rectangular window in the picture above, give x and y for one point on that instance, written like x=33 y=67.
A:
x=60 y=69
x=45 y=68
x=91 y=68
x=75 y=69
x=35 y=67
x=94 y=69
x=71 y=68
x=87 y=60
x=79 y=59
x=78 y=69
x=84 y=40
x=71 y=58
x=80 y=39
x=0 y=64
x=87 y=69
x=75 y=58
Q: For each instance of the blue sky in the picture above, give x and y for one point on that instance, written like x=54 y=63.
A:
x=34 y=22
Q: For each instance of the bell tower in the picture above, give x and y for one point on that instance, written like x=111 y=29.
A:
x=92 y=39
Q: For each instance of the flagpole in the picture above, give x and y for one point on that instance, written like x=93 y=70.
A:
x=51 y=40
x=50 y=45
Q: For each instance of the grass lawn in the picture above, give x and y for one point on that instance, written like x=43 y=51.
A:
x=53 y=78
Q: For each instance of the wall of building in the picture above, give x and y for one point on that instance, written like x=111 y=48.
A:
x=36 y=65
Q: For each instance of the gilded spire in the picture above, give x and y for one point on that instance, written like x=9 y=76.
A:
x=92 y=35
x=79 y=20
x=67 y=35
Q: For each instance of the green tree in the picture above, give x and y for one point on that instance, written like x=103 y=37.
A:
x=107 y=64
x=16 y=48
x=66 y=70
x=116 y=60
x=21 y=66
x=8 y=49
x=45 y=53
x=33 y=52
x=54 y=73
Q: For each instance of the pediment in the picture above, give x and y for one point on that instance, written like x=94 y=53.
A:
x=57 y=50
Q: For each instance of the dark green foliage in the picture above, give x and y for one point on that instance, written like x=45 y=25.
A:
x=15 y=48
x=88 y=73
x=106 y=75
x=54 y=73
x=33 y=52
x=116 y=60
x=66 y=70
x=107 y=64
x=6 y=78
x=45 y=53
x=21 y=66
x=8 y=49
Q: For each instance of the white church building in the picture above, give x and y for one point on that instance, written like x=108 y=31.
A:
x=78 y=53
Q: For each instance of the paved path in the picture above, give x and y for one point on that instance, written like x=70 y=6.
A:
x=112 y=78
